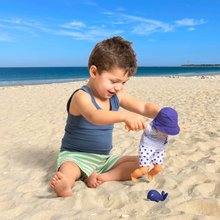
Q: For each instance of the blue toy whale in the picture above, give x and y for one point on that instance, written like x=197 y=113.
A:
x=155 y=196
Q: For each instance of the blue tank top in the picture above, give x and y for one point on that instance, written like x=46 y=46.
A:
x=81 y=135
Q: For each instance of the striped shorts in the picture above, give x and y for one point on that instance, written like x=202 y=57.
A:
x=88 y=162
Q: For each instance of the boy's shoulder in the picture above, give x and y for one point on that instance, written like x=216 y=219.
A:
x=80 y=94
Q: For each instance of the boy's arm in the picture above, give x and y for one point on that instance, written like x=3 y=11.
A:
x=81 y=104
x=147 y=109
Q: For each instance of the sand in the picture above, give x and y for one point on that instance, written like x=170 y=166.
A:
x=32 y=123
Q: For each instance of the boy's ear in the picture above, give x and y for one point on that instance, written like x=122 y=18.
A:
x=93 y=71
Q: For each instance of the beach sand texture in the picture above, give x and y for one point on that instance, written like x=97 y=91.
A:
x=32 y=123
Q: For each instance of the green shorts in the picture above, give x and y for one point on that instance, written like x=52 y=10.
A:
x=88 y=162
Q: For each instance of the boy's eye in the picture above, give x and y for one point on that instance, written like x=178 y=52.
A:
x=114 y=82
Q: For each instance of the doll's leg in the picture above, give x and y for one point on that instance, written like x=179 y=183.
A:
x=138 y=173
x=156 y=169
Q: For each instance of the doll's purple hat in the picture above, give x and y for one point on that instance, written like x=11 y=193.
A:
x=166 y=121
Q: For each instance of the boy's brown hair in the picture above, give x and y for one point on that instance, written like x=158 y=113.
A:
x=114 y=52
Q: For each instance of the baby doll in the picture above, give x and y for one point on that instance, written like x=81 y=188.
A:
x=154 y=142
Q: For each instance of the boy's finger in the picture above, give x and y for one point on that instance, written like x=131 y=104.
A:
x=126 y=127
x=144 y=125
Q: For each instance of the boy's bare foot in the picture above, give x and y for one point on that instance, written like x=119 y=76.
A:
x=92 y=181
x=60 y=185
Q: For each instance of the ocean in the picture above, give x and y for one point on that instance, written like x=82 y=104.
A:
x=45 y=75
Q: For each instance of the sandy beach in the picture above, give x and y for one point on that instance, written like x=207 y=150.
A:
x=32 y=124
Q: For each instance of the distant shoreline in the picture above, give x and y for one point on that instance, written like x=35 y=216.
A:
x=200 y=65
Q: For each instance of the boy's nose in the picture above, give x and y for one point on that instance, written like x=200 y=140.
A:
x=118 y=87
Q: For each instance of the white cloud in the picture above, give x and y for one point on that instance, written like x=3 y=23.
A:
x=129 y=24
x=74 y=25
x=17 y=22
x=13 y=21
x=191 y=29
x=189 y=22
x=113 y=23
x=144 y=26
x=90 y=2
x=91 y=33
x=5 y=37
x=107 y=13
x=73 y=34
x=151 y=40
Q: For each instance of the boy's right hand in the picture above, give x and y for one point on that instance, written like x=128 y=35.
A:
x=134 y=122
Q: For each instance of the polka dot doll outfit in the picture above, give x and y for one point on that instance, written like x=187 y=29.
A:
x=152 y=147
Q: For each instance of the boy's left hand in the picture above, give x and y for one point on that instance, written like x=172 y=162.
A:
x=135 y=123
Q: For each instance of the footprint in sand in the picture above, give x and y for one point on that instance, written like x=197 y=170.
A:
x=204 y=190
x=203 y=207
x=192 y=181
x=7 y=204
x=217 y=190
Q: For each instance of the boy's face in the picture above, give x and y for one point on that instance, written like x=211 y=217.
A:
x=108 y=83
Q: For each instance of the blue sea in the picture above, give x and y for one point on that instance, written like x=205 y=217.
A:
x=44 y=75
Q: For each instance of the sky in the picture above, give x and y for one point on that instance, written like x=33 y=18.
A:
x=63 y=32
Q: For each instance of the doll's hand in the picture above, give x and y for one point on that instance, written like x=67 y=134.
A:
x=183 y=128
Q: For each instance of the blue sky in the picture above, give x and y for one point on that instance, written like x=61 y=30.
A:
x=63 y=32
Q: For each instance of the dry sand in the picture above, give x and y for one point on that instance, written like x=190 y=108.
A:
x=32 y=123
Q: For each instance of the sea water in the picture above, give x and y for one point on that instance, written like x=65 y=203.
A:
x=45 y=75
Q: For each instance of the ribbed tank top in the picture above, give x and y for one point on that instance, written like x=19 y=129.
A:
x=81 y=135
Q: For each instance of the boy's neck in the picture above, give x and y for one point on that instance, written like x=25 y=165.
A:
x=90 y=84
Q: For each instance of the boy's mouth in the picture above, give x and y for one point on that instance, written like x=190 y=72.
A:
x=111 y=93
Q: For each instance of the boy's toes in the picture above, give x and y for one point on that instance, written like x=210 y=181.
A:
x=52 y=185
x=59 y=175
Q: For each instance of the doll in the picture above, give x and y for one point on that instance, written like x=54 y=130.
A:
x=154 y=142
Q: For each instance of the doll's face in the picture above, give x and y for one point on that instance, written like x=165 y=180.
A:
x=161 y=133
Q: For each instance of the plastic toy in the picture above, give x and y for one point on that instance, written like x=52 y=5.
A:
x=155 y=196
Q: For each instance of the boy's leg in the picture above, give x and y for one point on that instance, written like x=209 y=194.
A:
x=157 y=168
x=65 y=178
x=121 y=170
